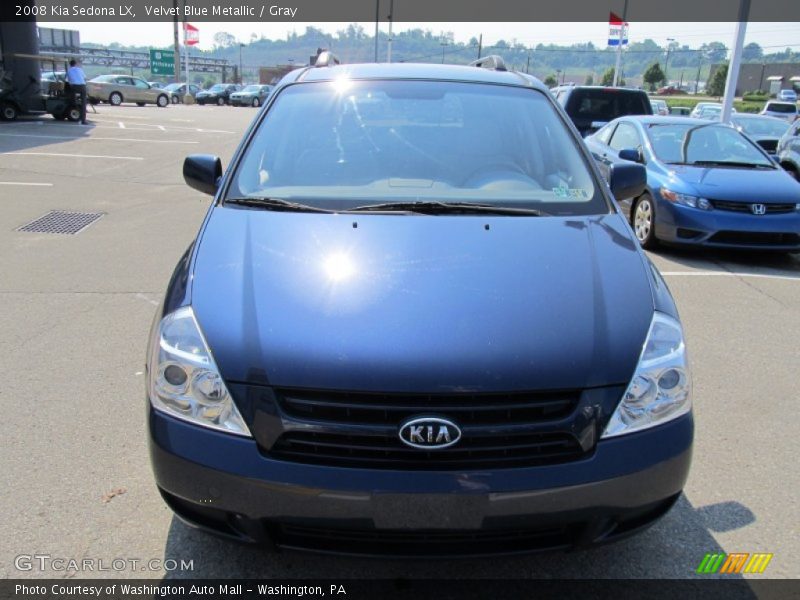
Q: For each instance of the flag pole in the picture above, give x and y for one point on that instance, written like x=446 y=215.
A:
x=619 y=44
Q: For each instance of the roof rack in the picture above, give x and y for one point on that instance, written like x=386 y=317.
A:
x=493 y=61
x=327 y=59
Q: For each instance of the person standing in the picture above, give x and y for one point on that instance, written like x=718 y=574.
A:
x=77 y=81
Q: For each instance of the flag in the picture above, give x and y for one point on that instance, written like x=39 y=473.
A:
x=615 y=24
x=191 y=34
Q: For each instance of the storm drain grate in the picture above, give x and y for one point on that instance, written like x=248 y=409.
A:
x=59 y=221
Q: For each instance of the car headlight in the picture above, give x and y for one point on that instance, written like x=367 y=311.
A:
x=686 y=199
x=661 y=387
x=183 y=378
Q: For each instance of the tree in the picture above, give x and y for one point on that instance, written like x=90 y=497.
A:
x=589 y=80
x=550 y=81
x=608 y=78
x=715 y=52
x=653 y=75
x=716 y=84
x=752 y=52
x=223 y=39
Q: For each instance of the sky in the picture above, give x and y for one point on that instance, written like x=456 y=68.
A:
x=771 y=36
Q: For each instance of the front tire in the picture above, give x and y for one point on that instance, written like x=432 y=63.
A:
x=115 y=99
x=255 y=103
x=162 y=101
x=643 y=221
x=175 y=100
x=8 y=112
x=220 y=101
x=73 y=114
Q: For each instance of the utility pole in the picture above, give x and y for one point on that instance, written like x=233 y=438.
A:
x=528 y=64
x=389 y=51
x=736 y=60
x=241 y=45
x=666 y=62
x=699 y=65
x=619 y=46
x=176 y=42
x=377 y=18
x=480 y=45
x=185 y=47
x=443 y=43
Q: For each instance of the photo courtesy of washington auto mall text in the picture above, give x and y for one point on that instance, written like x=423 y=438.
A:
x=385 y=299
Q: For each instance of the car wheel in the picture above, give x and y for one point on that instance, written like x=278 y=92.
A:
x=115 y=99
x=175 y=100
x=8 y=112
x=220 y=101
x=255 y=102
x=162 y=101
x=73 y=114
x=644 y=221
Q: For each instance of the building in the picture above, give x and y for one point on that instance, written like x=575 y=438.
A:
x=769 y=77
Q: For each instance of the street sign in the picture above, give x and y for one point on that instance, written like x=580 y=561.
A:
x=162 y=62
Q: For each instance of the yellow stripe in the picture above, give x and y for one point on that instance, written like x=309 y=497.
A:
x=758 y=563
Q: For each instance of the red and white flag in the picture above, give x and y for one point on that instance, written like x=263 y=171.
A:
x=191 y=34
x=615 y=27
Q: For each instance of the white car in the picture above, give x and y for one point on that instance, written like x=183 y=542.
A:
x=787 y=96
x=781 y=110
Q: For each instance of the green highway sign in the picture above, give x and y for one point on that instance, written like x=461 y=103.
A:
x=162 y=62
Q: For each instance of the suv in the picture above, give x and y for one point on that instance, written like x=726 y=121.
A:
x=442 y=338
x=591 y=107
x=781 y=110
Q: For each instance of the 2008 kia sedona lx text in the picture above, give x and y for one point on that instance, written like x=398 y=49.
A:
x=414 y=322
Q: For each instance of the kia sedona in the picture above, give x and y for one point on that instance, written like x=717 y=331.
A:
x=415 y=323
x=708 y=184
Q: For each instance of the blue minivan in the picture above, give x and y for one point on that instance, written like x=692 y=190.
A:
x=414 y=322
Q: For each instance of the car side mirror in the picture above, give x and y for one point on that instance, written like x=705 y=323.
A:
x=202 y=172
x=631 y=154
x=627 y=180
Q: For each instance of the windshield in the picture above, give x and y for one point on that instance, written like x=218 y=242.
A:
x=766 y=126
x=690 y=144
x=781 y=108
x=172 y=86
x=216 y=88
x=252 y=88
x=347 y=143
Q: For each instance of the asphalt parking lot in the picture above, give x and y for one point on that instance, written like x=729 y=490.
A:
x=75 y=319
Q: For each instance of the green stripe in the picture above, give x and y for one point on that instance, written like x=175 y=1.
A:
x=711 y=563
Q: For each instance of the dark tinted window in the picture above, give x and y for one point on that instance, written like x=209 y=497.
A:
x=781 y=108
x=606 y=104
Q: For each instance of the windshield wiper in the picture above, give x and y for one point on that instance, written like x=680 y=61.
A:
x=276 y=204
x=729 y=163
x=440 y=208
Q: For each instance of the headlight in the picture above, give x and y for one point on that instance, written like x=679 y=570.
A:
x=661 y=387
x=686 y=199
x=184 y=379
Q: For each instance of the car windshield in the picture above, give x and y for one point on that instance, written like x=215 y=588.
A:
x=764 y=126
x=704 y=144
x=216 y=88
x=172 y=87
x=781 y=108
x=252 y=88
x=347 y=143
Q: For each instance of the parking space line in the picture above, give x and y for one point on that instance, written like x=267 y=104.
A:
x=71 y=155
x=94 y=137
x=727 y=274
x=25 y=183
x=121 y=124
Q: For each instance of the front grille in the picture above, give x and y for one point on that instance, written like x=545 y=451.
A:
x=473 y=451
x=747 y=238
x=422 y=542
x=745 y=207
x=465 y=409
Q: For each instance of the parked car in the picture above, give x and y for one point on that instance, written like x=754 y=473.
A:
x=787 y=96
x=765 y=131
x=780 y=110
x=177 y=91
x=54 y=76
x=217 y=94
x=466 y=319
x=251 y=95
x=591 y=107
x=116 y=89
x=156 y=84
x=680 y=111
x=788 y=151
x=707 y=184
x=669 y=90
x=659 y=107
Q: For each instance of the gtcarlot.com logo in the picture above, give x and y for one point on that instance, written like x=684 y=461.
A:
x=734 y=563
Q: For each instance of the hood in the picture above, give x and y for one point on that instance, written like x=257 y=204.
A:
x=774 y=186
x=421 y=303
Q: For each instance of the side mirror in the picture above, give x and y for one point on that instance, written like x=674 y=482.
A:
x=627 y=180
x=202 y=172
x=631 y=154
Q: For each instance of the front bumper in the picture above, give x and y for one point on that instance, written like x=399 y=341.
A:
x=222 y=483
x=681 y=225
